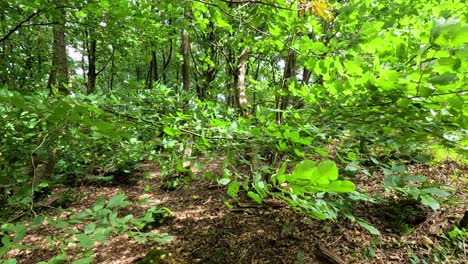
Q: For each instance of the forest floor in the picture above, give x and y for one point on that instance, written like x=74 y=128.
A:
x=207 y=231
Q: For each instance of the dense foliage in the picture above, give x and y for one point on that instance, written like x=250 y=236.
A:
x=88 y=89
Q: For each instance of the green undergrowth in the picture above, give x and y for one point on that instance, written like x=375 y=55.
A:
x=84 y=230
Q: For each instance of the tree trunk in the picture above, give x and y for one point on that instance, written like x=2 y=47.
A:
x=240 y=80
x=149 y=82
x=289 y=71
x=58 y=75
x=154 y=72
x=91 y=85
x=186 y=61
x=111 y=82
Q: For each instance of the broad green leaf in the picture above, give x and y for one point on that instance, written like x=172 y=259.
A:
x=274 y=30
x=100 y=234
x=399 y=168
x=117 y=200
x=169 y=131
x=368 y=227
x=304 y=170
x=60 y=224
x=84 y=240
x=430 y=202
x=435 y=191
x=280 y=176
x=352 y=156
x=224 y=181
x=341 y=186
x=442 y=25
x=59 y=259
x=327 y=171
x=89 y=228
x=392 y=181
x=233 y=189
x=414 y=178
x=85 y=260
x=444 y=79
x=6 y=245
x=98 y=205
x=255 y=197
x=37 y=221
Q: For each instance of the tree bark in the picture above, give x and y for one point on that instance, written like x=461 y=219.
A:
x=58 y=75
x=289 y=72
x=240 y=80
x=111 y=82
x=91 y=85
x=186 y=61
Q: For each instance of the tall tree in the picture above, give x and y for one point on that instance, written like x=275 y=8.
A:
x=186 y=60
x=58 y=75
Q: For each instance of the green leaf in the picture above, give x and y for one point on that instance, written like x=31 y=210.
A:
x=60 y=224
x=6 y=245
x=304 y=170
x=444 y=79
x=398 y=168
x=224 y=181
x=368 y=227
x=255 y=197
x=392 y=181
x=414 y=178
x=117 y=200
x=327 y=169
x=280 y=176
x=352 y=156
x=85 y=260
x=233 y=189
x=59 y=259
x=98 y=205
x=435 y=191
x=341 y=186
x=37 y=221
x=169 y=131
x=427 y=200
x=100 y=234
x=84 y=240
x=89 y=228
x=441 y=25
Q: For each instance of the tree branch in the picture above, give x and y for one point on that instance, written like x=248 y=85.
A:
x=13 y=30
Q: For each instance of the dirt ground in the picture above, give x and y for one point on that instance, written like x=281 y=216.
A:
x=207 y=231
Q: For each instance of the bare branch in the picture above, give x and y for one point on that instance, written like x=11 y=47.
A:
x=17 y=27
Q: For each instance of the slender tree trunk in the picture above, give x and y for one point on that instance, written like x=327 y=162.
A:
x=166 y=62
x=83 y=60
x=186 y=61
x=91 y=86
x=138 y=74
x=240 y=80
x=254 y=99
x=111 y=82
x=289 y=71
x=149 y=82
x=154 y=72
